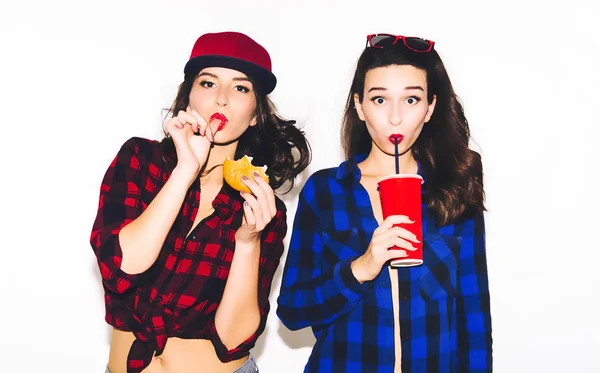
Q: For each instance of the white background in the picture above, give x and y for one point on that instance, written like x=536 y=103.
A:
x=78 y=78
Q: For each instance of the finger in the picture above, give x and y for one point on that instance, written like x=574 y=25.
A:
x=172 y=124
x=257 y=214
x=270 y=195
x=210 y=134
x=392 y=220
x=403 y=233
x=186 y=118
x=261 y=197
x=397 y=254
x=249 y=215
x=185 y=121
x=254 y=187
x=399 y=242
x=194 y=124
x=384 y=235
x=200 y=121
x=167 y=126
x=206 y=130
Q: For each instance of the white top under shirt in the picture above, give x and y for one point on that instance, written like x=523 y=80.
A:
x=396 y=306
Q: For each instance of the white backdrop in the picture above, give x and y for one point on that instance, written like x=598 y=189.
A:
x=78 y=78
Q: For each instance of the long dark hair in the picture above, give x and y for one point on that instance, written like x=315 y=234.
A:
x=453 y=173
x=271 y=142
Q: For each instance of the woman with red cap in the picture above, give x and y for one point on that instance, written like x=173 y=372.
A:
x=187 y=261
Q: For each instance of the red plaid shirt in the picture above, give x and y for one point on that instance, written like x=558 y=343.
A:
x=177 y=296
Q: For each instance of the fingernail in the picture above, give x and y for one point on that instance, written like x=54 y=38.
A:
x=245 y=178
x=256 y=174
x=246 y=204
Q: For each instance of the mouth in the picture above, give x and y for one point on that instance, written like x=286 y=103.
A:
x=220 y=117
x=396 y=138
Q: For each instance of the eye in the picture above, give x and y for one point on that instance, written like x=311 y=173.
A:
x=378 y=100
x=413 y=100
x=207 y=84
x=241 y=88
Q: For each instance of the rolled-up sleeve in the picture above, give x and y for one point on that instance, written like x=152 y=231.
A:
x=119 y=204
x=474 y=327
x=310 y=295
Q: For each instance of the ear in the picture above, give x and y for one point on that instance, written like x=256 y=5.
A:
x=430 y=109
x=253 y=121
x=358 y=107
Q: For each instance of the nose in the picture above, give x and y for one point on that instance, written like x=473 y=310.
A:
x=395 y=117
x=221 y=99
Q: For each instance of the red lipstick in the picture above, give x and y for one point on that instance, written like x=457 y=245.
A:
x=220 y=117
x=396 y=138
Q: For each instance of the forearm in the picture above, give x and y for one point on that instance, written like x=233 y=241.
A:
x=238 y=314
x=142 y=239
x=304 y=301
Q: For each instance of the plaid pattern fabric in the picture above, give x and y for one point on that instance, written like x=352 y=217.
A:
x=177 y=296
x=445 y=322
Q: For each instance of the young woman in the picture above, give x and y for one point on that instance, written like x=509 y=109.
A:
x=187 y=261
x=365 y=316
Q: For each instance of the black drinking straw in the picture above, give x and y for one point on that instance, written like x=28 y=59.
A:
x=397 y=160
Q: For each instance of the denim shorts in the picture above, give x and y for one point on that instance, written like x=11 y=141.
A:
x=248 y=367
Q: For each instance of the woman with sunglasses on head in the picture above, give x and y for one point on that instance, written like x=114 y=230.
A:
x=366 y=316
x=187 y=261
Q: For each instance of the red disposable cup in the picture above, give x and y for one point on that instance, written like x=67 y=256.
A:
x=400 y=194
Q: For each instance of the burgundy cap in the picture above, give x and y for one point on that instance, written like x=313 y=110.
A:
x=233 y=50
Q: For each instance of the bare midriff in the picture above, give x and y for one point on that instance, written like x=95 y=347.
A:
x=179 y=356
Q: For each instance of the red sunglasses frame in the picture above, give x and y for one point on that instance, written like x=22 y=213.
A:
x=403 y=38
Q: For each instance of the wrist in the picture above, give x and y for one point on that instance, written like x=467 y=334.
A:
x=358 y=270
x=252 y=245
x=184 y=174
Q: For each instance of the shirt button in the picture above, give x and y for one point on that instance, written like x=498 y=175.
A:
x=405 y=298
x=193 y=237
x=162 y=300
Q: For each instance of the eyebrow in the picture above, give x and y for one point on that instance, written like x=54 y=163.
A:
x=237 y=79
x=410 y=87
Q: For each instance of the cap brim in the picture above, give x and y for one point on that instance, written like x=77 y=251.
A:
x=264 y=80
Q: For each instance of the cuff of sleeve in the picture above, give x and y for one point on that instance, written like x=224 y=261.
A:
x=348 y=285
x=116 y=279
x=224 y=354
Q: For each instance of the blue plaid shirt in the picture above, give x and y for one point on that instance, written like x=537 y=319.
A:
x=445 y=322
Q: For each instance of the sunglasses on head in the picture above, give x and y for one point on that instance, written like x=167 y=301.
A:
x=413 y=43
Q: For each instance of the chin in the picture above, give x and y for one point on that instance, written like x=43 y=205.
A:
x=389 y=149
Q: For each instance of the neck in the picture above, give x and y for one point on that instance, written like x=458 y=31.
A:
x=380 y=164
x=212 y=172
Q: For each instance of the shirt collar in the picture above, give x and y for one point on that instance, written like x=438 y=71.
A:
x=228 y=199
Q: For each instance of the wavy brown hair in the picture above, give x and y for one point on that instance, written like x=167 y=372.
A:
x=272 y=142
x=453 y=173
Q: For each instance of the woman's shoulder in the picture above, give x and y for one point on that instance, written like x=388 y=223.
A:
x=143 y=149
x=328 y=174
x=321 y=186
x=140 y=144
